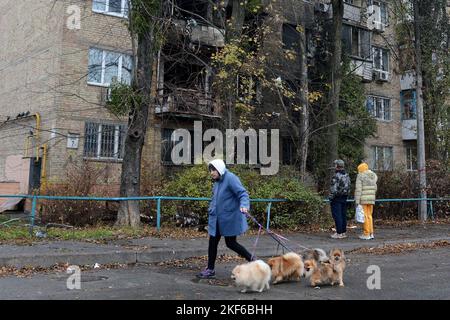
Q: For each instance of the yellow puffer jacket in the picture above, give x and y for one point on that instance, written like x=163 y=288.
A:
x=366 y=185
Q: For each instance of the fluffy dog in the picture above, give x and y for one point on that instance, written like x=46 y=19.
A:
x=253 y=276
x=317 y=254
x=326 y=273
x=286 y=267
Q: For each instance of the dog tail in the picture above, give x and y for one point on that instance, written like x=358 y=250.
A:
x=320 y=255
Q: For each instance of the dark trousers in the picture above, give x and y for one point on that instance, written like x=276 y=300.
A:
x=339 y=211
x=230 y=242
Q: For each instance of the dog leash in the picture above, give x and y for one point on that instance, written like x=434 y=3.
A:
x=275 y=236
x=256 y=243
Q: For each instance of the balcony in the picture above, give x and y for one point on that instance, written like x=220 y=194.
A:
x=409 y=129
x=352 y=13
x=187 y=103
x=408 y=80
x=201 y=34
x=362 y=68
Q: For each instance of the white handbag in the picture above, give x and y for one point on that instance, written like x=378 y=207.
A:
x=359 y=215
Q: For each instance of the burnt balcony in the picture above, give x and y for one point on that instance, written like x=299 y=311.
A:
x=187 y=103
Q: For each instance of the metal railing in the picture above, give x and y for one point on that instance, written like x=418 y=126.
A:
x=159 y=199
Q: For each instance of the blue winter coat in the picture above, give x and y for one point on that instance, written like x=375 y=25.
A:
x=224 y=209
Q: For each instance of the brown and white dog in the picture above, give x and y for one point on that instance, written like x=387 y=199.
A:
x=286 y=267
x=326 y=273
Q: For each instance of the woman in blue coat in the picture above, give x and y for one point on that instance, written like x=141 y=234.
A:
x=226 y=214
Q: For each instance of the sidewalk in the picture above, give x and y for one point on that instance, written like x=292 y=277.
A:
x=150 y=250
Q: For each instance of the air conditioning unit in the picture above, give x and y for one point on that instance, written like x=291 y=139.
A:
x=321 y=7
x=382 y=76
x=380 y=26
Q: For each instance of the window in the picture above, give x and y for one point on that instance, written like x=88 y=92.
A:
x=104 y=141
x=356 y=42
x=380 y=59
x=381 y=12
x=379 y=107
x=382 y=158
x=411 y=157
x=348 y=1
x=408 y=104
x=113 y=7
x=291 y=38
x=106 y=65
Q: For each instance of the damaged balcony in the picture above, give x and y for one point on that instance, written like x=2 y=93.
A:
x=187 y=103
x=184 y=89
x=197 y=22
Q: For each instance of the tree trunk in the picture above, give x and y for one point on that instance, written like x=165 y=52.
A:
x=420 y=120
x=304 y=130
x=234 y=30
x=336 y=80
x=131 y=166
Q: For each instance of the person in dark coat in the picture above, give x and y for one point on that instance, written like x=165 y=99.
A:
x=339 y=190
x=226 y=214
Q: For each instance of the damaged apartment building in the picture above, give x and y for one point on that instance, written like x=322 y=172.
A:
x=56 y=77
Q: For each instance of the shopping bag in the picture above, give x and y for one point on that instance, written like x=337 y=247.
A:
x=359 y=215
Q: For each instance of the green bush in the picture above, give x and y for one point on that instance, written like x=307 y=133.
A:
x=196 y=182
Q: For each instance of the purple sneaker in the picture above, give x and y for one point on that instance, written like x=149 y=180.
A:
x=206 y=274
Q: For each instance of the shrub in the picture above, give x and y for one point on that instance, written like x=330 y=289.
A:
x=403 y=184
x=82 y=179
x=196 y=182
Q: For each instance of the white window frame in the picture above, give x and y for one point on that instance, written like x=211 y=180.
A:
x=119 y=66
x=99 y=142
x=374 y=49
x=384 y=101
x=376 y=157
x=410 y=164
x=122 y=14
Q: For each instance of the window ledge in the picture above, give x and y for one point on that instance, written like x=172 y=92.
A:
x=95 y=84
x=117 y=15
x=383 y=120
x=103 y=159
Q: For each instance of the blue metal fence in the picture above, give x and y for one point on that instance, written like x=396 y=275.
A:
x=159 y=199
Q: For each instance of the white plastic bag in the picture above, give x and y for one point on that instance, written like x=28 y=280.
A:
x=359 y=215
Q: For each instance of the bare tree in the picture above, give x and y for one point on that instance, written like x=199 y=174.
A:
x=143 y=27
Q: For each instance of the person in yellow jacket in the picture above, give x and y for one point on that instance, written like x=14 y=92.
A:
x=365 y=195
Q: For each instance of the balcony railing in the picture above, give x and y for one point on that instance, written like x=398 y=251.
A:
x=187 y=101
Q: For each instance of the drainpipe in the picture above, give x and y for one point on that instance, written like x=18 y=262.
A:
x=44 y=169
x=37 y=135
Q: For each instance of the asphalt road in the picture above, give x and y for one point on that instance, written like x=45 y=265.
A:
x=421 y=274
